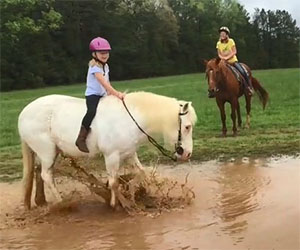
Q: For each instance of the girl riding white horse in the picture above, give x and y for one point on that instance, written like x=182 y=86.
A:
x=50 y=125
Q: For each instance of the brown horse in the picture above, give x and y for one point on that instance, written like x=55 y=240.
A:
x=227 y=88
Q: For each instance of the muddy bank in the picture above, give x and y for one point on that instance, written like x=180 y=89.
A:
x=246 y=204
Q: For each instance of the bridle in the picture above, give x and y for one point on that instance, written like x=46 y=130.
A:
x=178 y=145
x=216 y=79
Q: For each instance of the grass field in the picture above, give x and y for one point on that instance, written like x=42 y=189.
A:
x=273 y=131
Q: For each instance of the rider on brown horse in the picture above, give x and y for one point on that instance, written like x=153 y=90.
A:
x=227 y=51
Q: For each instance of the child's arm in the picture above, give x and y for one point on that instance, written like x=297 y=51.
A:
x=108 y=87
x=231 y=54
x=220 y=54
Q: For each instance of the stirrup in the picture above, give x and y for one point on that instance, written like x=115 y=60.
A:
x=249 y=91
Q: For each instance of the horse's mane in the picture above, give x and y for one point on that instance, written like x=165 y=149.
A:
x=219 y=65
x=216 y=63
x=161 y=111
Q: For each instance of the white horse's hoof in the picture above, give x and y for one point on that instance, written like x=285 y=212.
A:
x=112 y=203
x=113 y=200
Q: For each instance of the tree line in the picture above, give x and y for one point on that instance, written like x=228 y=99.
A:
x=45 y=42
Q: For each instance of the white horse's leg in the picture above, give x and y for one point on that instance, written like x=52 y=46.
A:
x=40 y=198
x=112 y=163
x=139 y=172
x=47 y=155
x=47 y=176
x=135 y=162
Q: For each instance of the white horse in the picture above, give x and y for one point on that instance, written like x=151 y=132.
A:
x=50 y=125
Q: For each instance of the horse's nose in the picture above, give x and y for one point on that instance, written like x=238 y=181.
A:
x=179 y=150
x=186 y=156
x=211 y=93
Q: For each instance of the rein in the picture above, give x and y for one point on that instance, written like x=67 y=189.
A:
x=164 y=151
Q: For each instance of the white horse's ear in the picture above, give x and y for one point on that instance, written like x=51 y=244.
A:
x=185 y=107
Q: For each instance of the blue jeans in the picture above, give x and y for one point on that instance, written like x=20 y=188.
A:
x=238 y=66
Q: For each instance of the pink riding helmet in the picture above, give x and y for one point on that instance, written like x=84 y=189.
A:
x=99 y=43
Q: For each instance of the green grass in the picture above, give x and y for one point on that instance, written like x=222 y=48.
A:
x=273 y=131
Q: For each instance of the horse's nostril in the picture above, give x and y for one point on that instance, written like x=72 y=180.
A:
x=179 y=150
x=189 y=155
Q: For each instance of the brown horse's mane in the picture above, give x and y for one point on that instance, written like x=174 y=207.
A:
x=221 y=70
x=221 y=65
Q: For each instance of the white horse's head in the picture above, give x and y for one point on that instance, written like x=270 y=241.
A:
x=180 y=133
x=167 y=117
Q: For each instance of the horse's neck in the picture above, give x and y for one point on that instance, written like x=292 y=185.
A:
x=224 y=72
x=156 y=113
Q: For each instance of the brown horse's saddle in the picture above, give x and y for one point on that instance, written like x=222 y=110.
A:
x=237 y=74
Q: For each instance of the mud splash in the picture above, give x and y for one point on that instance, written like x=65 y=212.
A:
x=137 y=191
x=246 y=204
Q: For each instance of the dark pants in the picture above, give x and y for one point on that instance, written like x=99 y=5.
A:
x=92 y=104
x=243 y=72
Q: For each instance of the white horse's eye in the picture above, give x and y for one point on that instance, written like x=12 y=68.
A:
x=188 y=127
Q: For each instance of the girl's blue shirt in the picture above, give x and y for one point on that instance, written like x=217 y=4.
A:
x=93 y=86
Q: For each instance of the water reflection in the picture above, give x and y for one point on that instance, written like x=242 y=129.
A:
x=239 y=185
x=235 y=207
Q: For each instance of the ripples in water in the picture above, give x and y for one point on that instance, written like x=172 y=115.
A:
x=235 y=206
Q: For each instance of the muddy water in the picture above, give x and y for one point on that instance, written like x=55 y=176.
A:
x=246 y=204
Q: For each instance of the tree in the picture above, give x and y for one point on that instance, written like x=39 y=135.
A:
x=21 y=35
x=279 y=38
x=46 y=42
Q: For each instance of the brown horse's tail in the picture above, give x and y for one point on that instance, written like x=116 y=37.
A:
x=261 y=92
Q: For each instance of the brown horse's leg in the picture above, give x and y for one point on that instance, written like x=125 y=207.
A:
x=233 y=115
x=248 y=109
x=239 y=114
x=40 y=198
x=223 y=115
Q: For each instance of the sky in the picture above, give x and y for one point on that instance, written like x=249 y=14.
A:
x=291 y=6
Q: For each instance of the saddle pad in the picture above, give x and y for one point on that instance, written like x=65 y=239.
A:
x=237 y=74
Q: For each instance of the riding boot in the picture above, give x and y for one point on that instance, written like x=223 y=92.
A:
x=80 y=142
x=249 y=88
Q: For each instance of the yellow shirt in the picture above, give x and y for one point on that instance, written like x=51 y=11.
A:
x=227 y=47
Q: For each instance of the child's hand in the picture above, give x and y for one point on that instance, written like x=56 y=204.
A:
x=121 y=95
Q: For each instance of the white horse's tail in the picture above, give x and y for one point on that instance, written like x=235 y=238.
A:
x=28 y=172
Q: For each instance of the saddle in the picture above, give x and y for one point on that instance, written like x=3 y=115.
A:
x=237 y=74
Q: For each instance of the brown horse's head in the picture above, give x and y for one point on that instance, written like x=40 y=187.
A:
x=213 y=75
